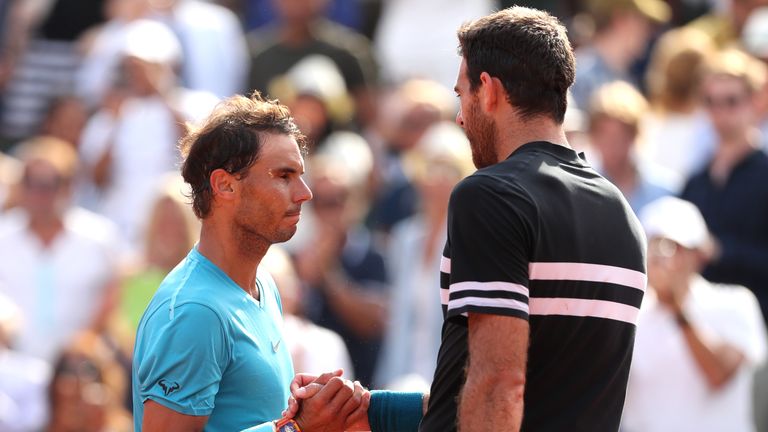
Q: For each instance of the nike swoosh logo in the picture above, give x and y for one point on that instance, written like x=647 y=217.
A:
x=276 y=345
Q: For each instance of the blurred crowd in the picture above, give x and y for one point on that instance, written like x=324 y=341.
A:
x=670 y=100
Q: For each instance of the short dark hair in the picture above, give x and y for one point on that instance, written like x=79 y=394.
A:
x=529 y=51
x=230 y=139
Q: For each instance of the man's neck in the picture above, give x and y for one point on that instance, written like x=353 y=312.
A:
x=516 y=133
x=730 y=152
x=46 y=229
x=219 y=245
x=296 y=34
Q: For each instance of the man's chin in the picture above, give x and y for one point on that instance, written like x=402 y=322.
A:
x=285 y=235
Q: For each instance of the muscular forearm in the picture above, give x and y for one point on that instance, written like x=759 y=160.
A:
x=718 y=362
x=491 y=403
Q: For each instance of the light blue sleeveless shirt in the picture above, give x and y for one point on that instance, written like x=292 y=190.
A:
x=205 y=347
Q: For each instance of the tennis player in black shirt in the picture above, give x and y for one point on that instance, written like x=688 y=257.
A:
x=543 y=271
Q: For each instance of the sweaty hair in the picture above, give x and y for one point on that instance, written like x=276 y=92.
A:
x=230 y=139
x=528 y=51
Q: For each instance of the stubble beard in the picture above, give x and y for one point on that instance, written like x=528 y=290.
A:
x=481 y=132
x=250 y=236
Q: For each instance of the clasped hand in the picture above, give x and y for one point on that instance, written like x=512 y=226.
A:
x=328 y=403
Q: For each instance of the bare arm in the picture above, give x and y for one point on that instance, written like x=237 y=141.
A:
x=492 y=398
x=363 y=311
x=158 y=418
x=717 y=361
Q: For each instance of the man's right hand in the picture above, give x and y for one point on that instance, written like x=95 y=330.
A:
x=328 y=403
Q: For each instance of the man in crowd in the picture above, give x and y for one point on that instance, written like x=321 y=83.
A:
x=732 y=191
x=698 y=343
x=209 y=351
x=58 y=262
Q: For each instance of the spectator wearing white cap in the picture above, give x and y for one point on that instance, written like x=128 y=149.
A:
x=213 y=43
x=698 y=343
x=130 y=143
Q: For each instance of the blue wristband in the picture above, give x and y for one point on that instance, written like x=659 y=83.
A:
x=391 y=411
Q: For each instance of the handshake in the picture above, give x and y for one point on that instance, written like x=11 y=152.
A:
x=327 y=403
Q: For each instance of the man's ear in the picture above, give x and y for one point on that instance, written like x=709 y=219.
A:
x=223 y=184
x=489 y=92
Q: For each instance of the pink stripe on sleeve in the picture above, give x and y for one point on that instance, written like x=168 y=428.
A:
x=584 y=308
x=588 y=273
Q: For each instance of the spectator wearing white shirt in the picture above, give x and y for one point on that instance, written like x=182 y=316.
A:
x=698 y=343
x=130 y=144
x=57 y=262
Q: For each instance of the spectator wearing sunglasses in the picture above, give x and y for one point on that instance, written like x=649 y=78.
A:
x=732 y=190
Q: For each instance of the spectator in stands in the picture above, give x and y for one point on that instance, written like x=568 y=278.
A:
x=87 y=389
x=302 y=31
x=350 y=13
x=725 y=24
x=676 y=130
x=65 y=119
x=102 y=50
x=342 y=266
x=44 y=61
x=23 y=378
x=732 y=190
x=623 y=29
x=130 y=143
x=698 y=343
x=317 y=96
x=615 y=112
x=214 y=48
x=405 y=116
x=58 y=262
x=412 y=336
x=432 y=54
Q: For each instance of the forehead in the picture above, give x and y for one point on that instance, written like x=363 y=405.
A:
x=724 y=83
x=40 y=168
x=280 y=149
x=462 y=76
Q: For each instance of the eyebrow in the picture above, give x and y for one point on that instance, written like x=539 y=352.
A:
x=286 y=170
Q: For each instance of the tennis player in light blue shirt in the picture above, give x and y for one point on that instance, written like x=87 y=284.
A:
x=209 y=355
x=200 y=313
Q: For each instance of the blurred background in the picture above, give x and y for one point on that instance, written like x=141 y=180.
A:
x=670 y=99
